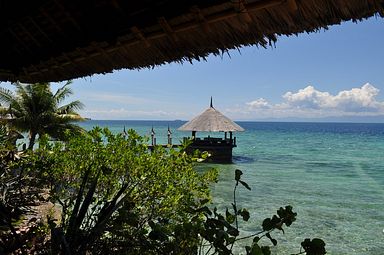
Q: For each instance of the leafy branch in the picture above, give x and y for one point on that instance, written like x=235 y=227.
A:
x=220 y=233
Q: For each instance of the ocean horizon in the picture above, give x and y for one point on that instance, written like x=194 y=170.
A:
x=331 y=173
x=366 y=120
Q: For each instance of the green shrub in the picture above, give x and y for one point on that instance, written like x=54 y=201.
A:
x=115 y=193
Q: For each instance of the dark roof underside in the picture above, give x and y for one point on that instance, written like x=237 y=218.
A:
x=55 y=40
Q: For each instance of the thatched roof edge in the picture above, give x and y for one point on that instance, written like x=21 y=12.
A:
x=58 y=40
x=211 y=120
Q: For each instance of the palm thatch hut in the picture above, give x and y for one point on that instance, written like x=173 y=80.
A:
x=56 y=40
x=211 y=120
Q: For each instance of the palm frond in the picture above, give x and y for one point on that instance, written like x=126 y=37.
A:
x=70 y=117
x=63 y=92
x=3 y=110
x=60 y=131
x=6 y=96
x=70 y=107
x=21 y=89
x=4 y=114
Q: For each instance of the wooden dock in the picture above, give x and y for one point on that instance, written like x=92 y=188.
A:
x=151 y=147
x=219 y=149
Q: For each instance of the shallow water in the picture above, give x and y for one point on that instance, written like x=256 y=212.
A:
x=331 y=173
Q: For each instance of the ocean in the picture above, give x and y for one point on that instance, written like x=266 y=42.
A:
x=331 y=173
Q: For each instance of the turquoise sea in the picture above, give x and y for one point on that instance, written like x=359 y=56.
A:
x=331 y=173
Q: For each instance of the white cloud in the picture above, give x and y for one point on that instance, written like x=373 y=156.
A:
x=359 y=99
x=354 y=100
x=122 y=113
x=310 y=102
x=260 y=103
x=308 y=97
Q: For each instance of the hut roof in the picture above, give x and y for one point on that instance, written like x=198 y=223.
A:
x=55 y=40
x=211 y=120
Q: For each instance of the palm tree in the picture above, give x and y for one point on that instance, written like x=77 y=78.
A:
x=33 y=108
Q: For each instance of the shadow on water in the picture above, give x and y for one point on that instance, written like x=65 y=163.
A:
x=242 y=159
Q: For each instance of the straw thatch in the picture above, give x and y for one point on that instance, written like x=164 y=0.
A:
x=55 y=40
x=211 y=120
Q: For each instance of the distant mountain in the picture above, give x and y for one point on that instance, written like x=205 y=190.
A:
x=350 y=119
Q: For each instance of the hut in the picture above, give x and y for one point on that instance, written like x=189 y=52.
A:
x=211 y=120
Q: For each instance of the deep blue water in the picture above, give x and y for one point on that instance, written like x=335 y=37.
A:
x=331 y=173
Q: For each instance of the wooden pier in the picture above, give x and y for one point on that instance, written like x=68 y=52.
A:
x=220 y=149
x=151 y=147
x=211 y=120
x=169 y=140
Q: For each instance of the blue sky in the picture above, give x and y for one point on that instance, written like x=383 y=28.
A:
x=335 y=73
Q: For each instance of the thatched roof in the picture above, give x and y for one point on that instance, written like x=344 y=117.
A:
x=55 y=40
x=211 y=120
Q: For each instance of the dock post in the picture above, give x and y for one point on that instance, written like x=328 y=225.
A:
x=125 y=134
x=169 y=134
x=153 y=138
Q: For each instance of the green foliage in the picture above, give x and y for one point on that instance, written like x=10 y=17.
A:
x=114 y=192
x=34 y=108
x=3 y=136
x=19 y=192
x=8 y=138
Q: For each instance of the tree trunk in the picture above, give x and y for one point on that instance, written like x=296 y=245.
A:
x=32 y=138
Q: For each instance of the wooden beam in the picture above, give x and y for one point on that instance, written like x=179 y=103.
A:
x=242 y=11
x=54 y=23
x=125 y=54
x=19 y=40
x=29 y=35
x=56 y=64
x=16 y=49
x=101 y=50
x=117 y=6
x=201 y=19
x=34 y=23
x=69 y=60
x=253 y=7
x=35 y=68
x=68 y=15
x=292 y=5
x=167 y=28
x=5 y=72
x=26 y=74
x=136 y=31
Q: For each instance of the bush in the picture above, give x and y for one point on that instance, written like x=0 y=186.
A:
x=115 y=193
x=19 y=193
